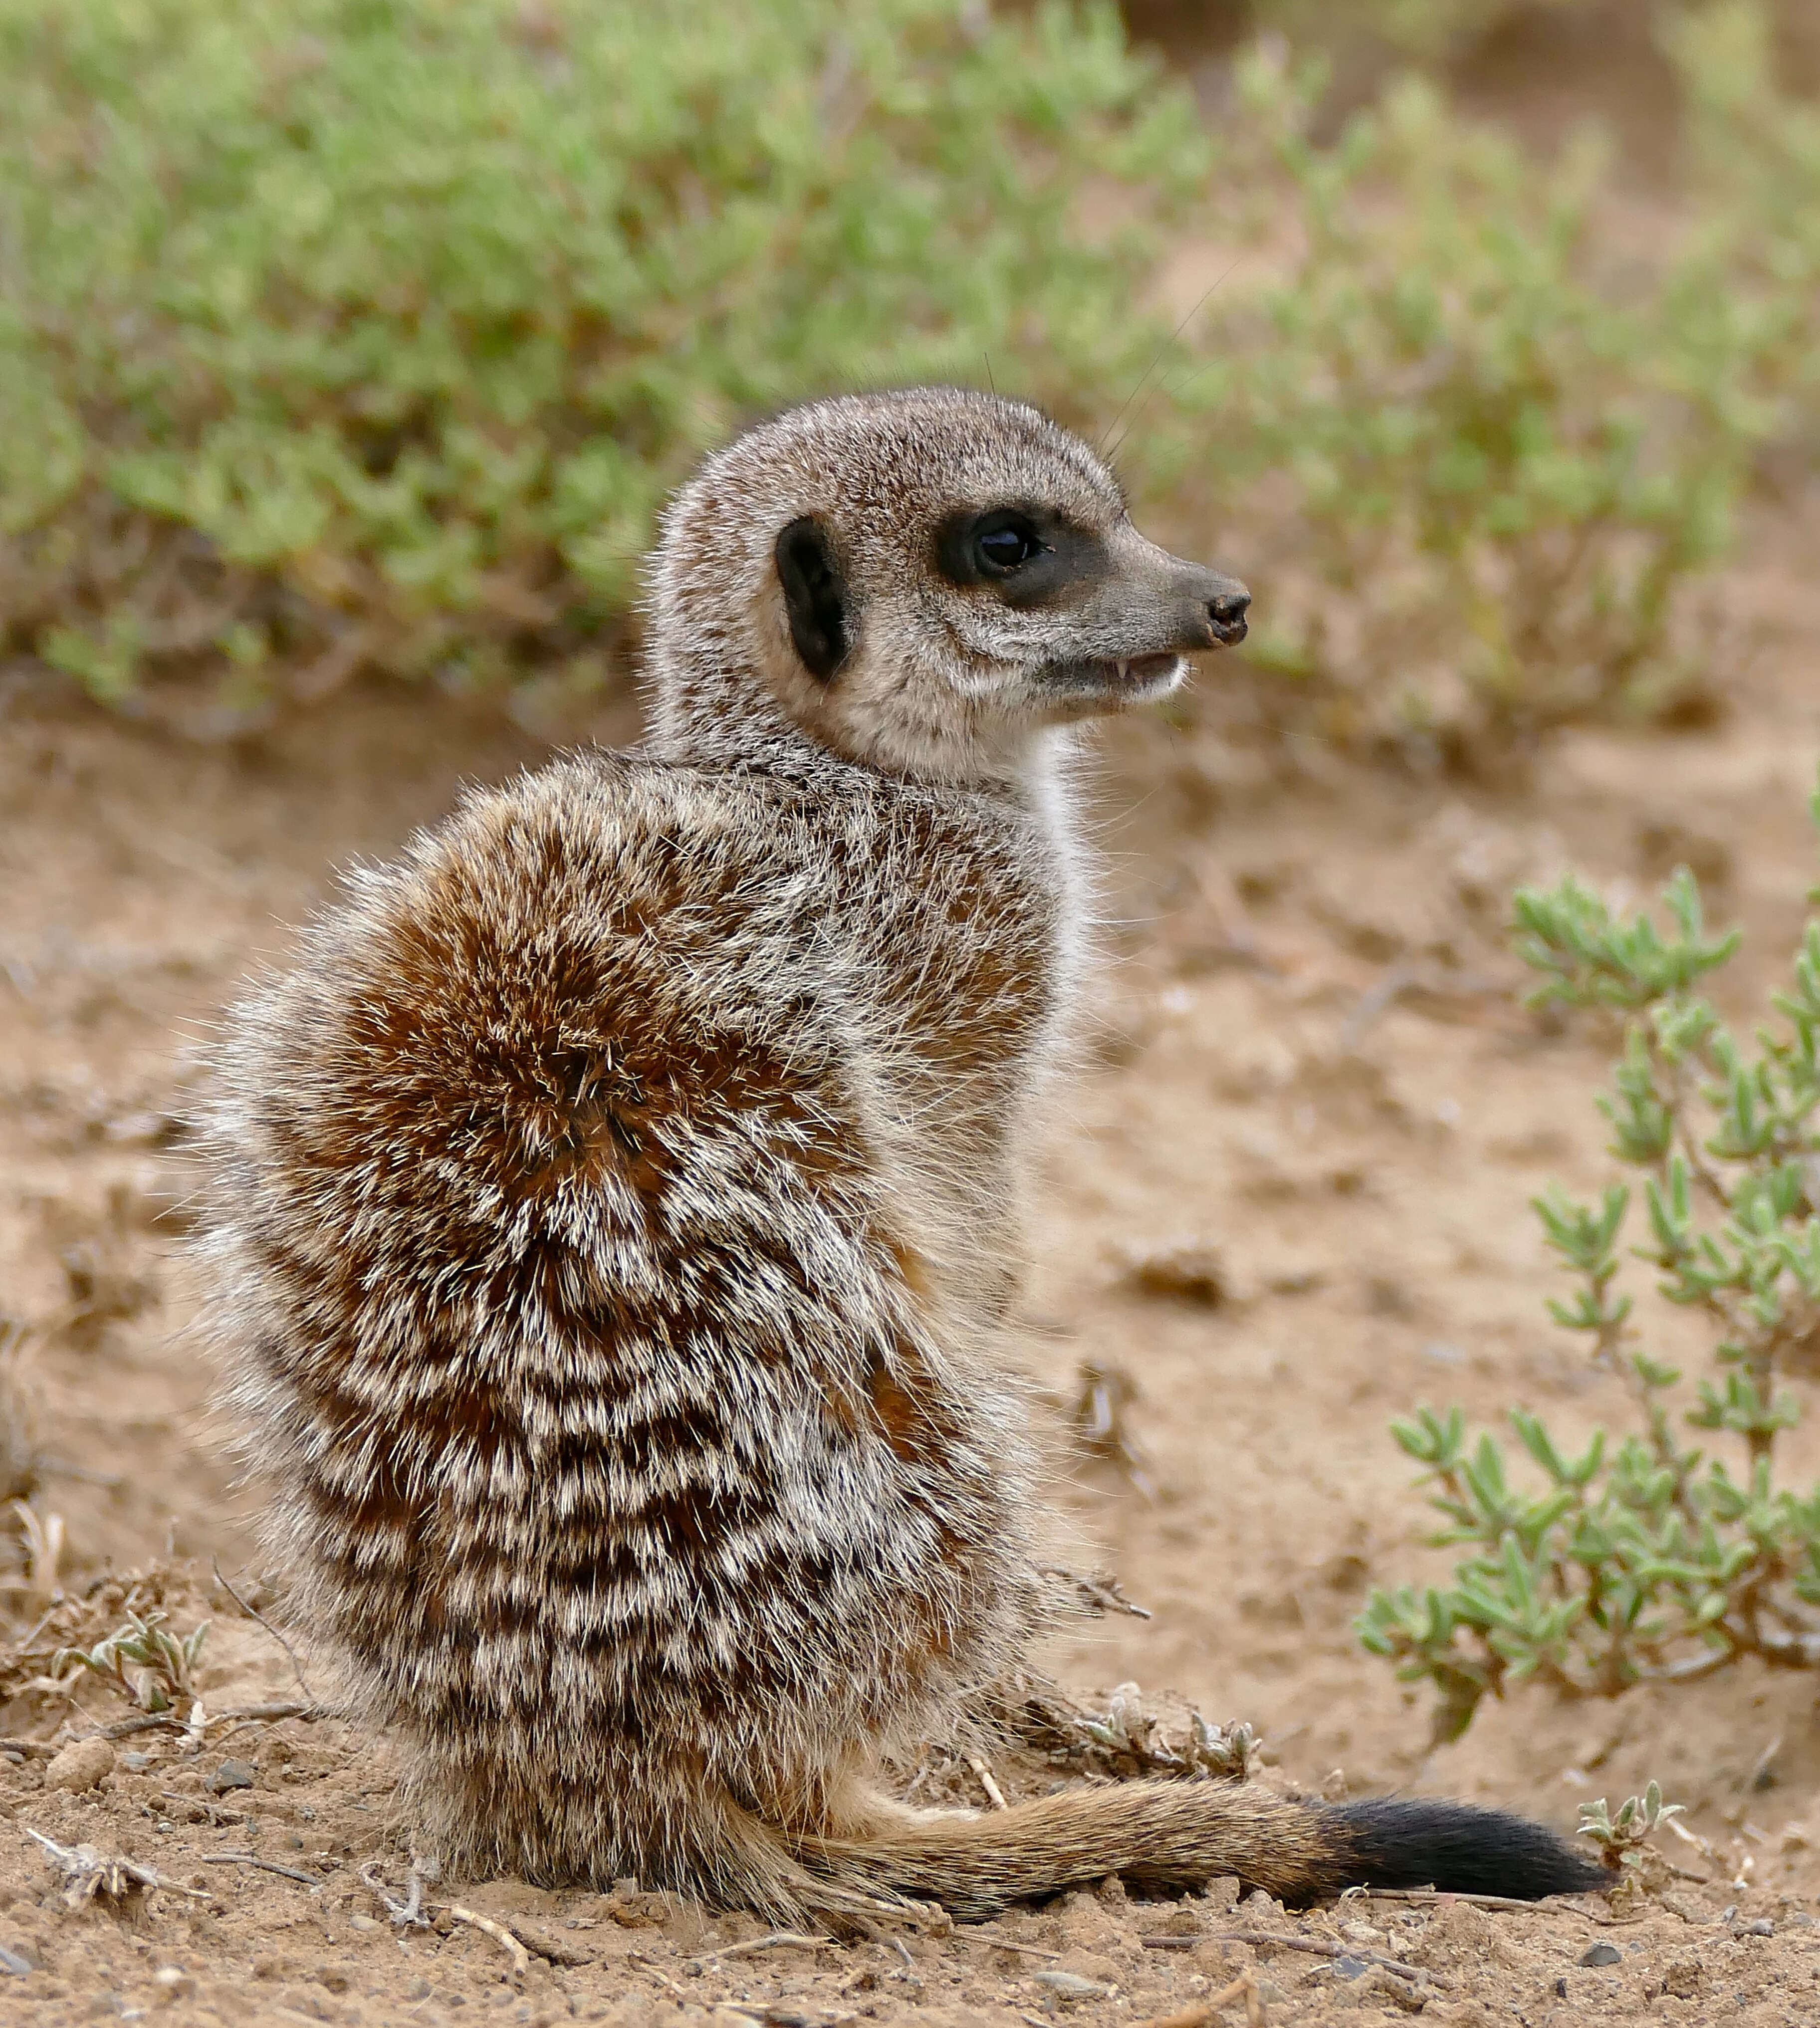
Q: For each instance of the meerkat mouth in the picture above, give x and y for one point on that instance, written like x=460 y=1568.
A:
x=1142 y=671
x=1127 y=677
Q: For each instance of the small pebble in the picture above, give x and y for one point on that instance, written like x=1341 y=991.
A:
x=1070 y=1986
x=230 y=1774
x=1193 y=1269
x=362 y=1922
x=1349 y=1967
x=1602 y=1954
x=136 y=1763
x=80 y=1766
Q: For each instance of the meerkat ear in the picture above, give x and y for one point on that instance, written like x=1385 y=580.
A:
x=814 y=596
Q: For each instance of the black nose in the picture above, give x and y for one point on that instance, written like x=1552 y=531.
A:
x=1227 y=613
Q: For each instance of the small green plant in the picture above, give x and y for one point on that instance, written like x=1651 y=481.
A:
x=1643 y=1557
x=1127 y=1731
x=1623 y=1839
x=1228 y=1753
x=152 y=1667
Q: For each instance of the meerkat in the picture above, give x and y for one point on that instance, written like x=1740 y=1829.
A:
x=616 y=1206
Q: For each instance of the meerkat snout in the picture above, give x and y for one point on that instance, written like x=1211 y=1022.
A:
x=1109 y=618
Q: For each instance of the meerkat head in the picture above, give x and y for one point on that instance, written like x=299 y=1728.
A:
x=925 y=581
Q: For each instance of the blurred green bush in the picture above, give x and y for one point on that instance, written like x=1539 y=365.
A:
x=1756 y=155
x=1426 y=29
x=1492 y=455
x=342 y=334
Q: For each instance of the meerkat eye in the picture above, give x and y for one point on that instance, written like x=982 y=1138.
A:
x=1005 y=543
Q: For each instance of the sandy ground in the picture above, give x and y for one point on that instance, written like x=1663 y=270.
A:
x=1358 y=1159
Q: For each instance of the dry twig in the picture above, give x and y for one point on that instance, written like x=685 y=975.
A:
x=778 y=1940
x=547 y=1948
x=1099 y=1424
x=265 y=1865
x=405 y=1915
x=1245 y=1987
x=645 y=1964
x=1202 y=2013
x=994 y=1794
x=87 y=1873
x=1317 y=1947
x=1434 y=1898
x=521 y=1957
x=1095 y=1592
x=250 y=1714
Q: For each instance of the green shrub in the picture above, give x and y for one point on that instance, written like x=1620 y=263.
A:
x=1756 y=151
x=351 y=333
x=1494 y=466
x=1643 y=1559
x=370 y=332
x=1429 y=30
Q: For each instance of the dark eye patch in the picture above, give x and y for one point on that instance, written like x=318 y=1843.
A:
x=1027 y=554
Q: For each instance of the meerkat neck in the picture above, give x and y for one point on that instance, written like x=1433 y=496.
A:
x=700 y=715
x=703 y=712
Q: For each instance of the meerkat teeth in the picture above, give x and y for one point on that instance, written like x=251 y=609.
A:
x=613 y=1212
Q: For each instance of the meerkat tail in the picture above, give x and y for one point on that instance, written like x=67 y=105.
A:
x=1172 y=1835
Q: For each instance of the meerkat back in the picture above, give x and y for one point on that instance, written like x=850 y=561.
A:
x=615 y=1203
x=610 y=1445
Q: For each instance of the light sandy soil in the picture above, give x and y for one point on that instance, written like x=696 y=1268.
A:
x=1359 y=1159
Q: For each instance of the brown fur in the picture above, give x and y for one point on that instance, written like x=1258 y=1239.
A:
x=616 y=1204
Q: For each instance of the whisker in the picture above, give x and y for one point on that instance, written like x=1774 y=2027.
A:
x=1161 y=351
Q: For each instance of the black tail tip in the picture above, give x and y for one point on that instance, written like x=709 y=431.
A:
x=1409 y=1841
